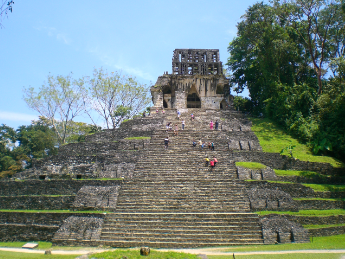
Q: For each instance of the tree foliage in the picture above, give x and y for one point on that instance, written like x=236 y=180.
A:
x=5 y=7
x=58 y=100
x=116 y=97
x=289 y=54
x=35 y=141
x=112 y=97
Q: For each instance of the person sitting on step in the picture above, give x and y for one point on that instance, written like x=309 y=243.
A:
x=212 y=164
x=206 y=161
x=215 y=161
x=176 y=130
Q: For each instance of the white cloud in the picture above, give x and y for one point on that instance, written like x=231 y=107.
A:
x=231 y=32
x=14 y=116
x=52 y=32
x=118 y=65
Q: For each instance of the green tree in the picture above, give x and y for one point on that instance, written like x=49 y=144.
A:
x=61 y=99
x=11 y=159
x=37 y=140
x=242 y=104
x=115 y=97
x=320 y=30
x=282 y=52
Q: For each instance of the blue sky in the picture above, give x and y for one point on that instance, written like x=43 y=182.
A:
x=135 y=37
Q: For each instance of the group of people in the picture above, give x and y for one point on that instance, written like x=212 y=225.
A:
x=169 y=127
x=212 y=163
x=204 y=144
x=215 y=124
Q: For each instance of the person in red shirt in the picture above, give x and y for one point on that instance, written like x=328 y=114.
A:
x=212 y=164
x=215 y=161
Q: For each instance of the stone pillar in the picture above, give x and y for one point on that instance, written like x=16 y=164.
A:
x=180 y=100
x=157 y=99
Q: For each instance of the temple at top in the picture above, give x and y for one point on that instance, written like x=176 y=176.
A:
x=196 y=81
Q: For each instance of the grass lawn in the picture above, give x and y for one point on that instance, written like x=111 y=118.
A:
x=130 y=138
x=323 y=226
x=306 y=174
x=318 y=213
x=57 y=211
x=135 y=254
x=15 y=255
x=273 y=139
x=279 y=256
x=251 y=165
x=326 y=187
x=318 y=199
x=330 y=242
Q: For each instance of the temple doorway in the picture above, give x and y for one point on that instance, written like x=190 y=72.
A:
x=223 y=105
x=193 y=100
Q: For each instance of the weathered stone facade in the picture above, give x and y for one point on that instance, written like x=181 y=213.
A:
x=256 y=174
x=197 y=81
x=80 y=228
x=277 y=229
x=268 y=199
x=96 y=197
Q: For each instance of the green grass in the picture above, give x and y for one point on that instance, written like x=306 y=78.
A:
x=135 y=254
x=323 y=226
x=15 y=255
x=330 y=242
x=130 y=138
x=326 y=187
x=318 y=213
x=280 y=182
x=273 y=139
x=99 y=179
x=279 y=256
x=318 y=199
x=57 y=211
x=251 y=165
x=306 y=174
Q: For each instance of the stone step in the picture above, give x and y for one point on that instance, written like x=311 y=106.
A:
x=167 y=244
x=182 y=224
x=214 y=237
x=185 y=210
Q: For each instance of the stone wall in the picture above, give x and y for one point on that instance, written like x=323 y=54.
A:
x=119 y=165
x=256 y=174
x=80 y=228
x=11 y=233
x=103 y=148
x=138 y=127
x=316 y=179
x=96 y=197
x=319 y=204
x=51 y=187
x=267 y=199
x=278 y=229
x=295 y=190
x=21 y=226
x=331 y=231
x=36 y=202
x=312 y=220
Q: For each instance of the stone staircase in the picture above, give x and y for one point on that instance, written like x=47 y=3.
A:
x=174 y=200
x=181 y=230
